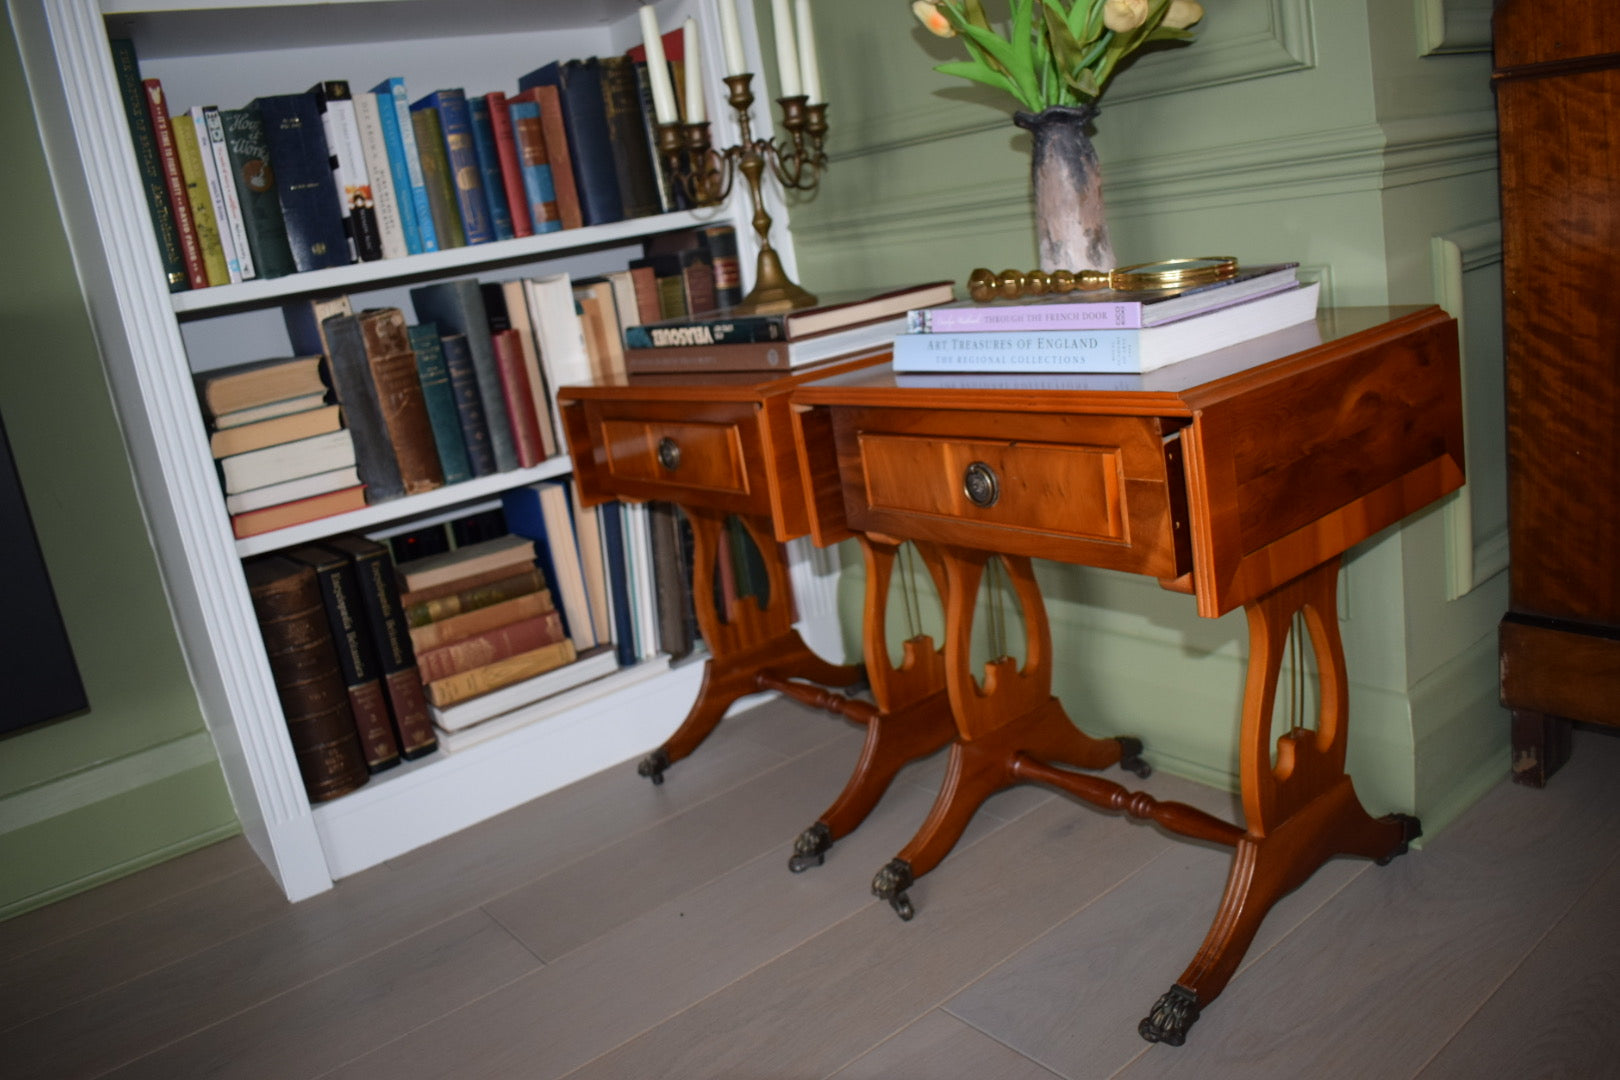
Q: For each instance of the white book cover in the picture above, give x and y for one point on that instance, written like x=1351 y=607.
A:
x=216 y=194
x=384 y=199
x=563 y=351
x=287 y=461
x=302 y=487
x=638 y=547
x=227 y=184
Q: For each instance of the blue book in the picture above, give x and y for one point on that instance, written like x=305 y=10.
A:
x=458 y=307
x=538 y=185
x=458 y=367
x=579 y=87
x=456 y=124
x=611 y=515
x=399 y=170
x=396 y=113
x=489 y=165
x=302 y=165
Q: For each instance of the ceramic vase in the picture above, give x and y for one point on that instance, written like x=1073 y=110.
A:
x=1070 y=220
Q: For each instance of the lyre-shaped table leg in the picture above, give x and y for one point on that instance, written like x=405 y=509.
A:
x=913 y=714
x=751 y=639
x=1012 y=714
x=1299 y=812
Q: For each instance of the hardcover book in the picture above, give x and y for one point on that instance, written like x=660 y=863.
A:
x=579 y=87
x=174 y=182
x=472 y=593
x=627 y=132
x=394 y=110
x=512 y=705
x=299 y=425
x=454 y=689
x=515 y=300
x=126 y=66
x=304 y=666
x=223 y=175
x=242 y=386
x=457 y=306
x=302 y=164
x=286 y=515
x=385 y=359
x=513 y=551
x=859 y=340
x=1151 y=347
x=440 y=399
x=288 y=491
x=722 y=328
x=476 y=620
x=379 y=170
x=488 y=646
x=539 y=193
x=256 y=189
x=489 y=167
x=362 y=410
x=514 y=377
x=209 y=168
x=548 y=100
x=437 y=179
x=287 y=461
x=541 y=513
x=406 y=702
x=357 y=657
x=350 y=180
x=506 y=155
x=199 y=202
x=461 y=162
x=458 y=366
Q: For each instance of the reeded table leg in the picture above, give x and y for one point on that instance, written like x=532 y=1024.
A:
x=752 y=640
x=1300 y=812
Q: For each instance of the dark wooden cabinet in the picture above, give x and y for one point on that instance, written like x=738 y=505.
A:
x=1557 y=79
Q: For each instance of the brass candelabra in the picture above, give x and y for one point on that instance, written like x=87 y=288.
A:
x=705 y=174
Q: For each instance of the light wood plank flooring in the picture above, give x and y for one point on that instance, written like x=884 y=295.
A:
x=624 y=931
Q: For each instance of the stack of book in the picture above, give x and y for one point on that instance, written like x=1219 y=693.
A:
x=334 y=174
x=486 y=632
x=284 y=455
x=1105 y=331
x=724 y=341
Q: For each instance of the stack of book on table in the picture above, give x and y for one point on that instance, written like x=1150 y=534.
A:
x=1105 y=331
x=284 y=454
x=487 y=634
x=723 y=341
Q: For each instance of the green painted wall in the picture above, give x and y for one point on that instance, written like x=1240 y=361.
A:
x=134 y=779
x=1311 y=131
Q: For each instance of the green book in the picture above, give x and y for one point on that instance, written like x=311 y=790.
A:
x=441 y=188
x=256 y=191
x=434 y=376
x=127 y=68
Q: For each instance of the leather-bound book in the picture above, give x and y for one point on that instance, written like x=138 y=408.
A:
x=399 y=394
x=627 y=130
x=440 y=398
x=357 y=656
x=350 y=369
x=457 y=306
x=374 y=569
x=298 y=642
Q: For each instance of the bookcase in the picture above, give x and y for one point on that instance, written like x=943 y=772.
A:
x=152 y=342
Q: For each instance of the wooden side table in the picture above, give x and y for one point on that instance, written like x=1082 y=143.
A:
x=722 y=444
x=1239 y=477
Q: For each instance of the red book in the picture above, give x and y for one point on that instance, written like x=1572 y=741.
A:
x=519 y=400
x=157 y=111
x=562 y=161
x=490 y=646
x=500 y=120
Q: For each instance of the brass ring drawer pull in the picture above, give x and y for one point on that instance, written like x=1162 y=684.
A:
x=669 y=453
x=980 y=485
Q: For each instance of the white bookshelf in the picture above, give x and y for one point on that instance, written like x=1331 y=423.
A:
x=225 y=54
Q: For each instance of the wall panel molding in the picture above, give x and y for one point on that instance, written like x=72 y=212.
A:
x=1453 y=26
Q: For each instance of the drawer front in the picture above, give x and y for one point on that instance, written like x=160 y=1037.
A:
x=700 y=456
x=1095 y=490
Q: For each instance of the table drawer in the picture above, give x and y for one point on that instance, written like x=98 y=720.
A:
x=697 y=453
x=1098 y=490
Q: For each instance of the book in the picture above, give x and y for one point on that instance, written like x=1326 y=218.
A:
x=302 y=165
x=199 y=200
x=379 y=170
x=439 y=396
x=540 y=512
x=242 y=386
x=721 y=328
x=407 y=704
x=616 y=565
x=516 y=301
x=598 y=314
x=644 y=609
x=300 y=487
x=287 y=514
x=539 y=187
x=256 y=189
x=457 y=306
x=627 y=134
x=351 y=181
x=864 y=339
x=579 y=89
x=288 y=461
x=299 y=425
x=671 y=194
x=488 y=646
x=505 y=145
x=466 y=624
x=174 y=182
x=1107 y=350
x=563 y=351
x=512 y=550
x=305 y=319
x=461 y=161
x=357 y=657
x=437 y=179
x=672 y=588
x=132 y=94
x=588 y=532
x=392 y=367
x=269 y=410
x=292 y=622
x=721 y=243
x=453 y=689
x=1103 y=309
x=514 y=376
x=554 y=130
x=458 y=365
x=212 y=176
x=531 y=699
x=222 y=185
x=473 y=592
x=394 y=110
x=645 y=283
x=357 y=392
x=489 y=167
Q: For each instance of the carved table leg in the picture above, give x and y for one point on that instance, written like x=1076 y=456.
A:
x=1012 y=715
x=912 y=718
x=749 y=640
x=1300 y=812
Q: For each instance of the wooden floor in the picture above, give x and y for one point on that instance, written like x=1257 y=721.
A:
x=620 y=930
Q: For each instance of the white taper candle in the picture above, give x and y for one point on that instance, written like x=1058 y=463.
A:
x=731 y=38
x=787 y=51
x=658 y=68
x=695 y=110
x=809 y=69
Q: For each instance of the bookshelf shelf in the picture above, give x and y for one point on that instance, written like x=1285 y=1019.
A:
x=227 y=52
